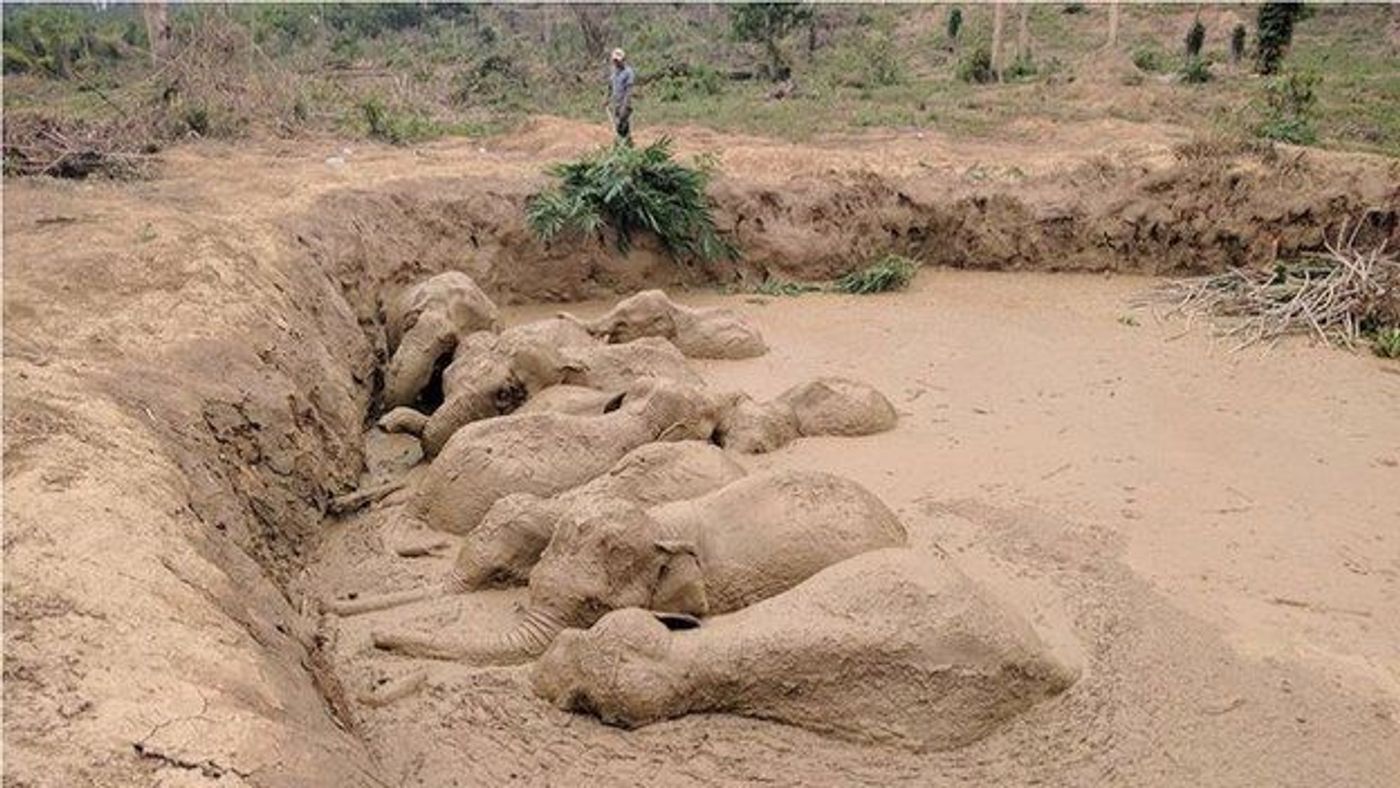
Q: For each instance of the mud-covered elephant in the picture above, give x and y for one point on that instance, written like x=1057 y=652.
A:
x=892 y=647
x=495 y=374
x=698 y=333
x=747 y=541
x=825 y=406
x=547 y=453
x=423 y=325
x=508 y=542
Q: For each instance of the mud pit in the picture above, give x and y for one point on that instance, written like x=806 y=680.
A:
x=189 y=372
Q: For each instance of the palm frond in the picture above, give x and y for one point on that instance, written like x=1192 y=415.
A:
x=630 y=190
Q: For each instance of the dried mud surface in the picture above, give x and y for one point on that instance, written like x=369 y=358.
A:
x=189 y=364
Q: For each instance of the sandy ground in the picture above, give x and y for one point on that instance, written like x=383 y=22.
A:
x=1210 y=535
x=188 y=362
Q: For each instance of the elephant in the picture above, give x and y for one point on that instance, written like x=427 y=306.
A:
x=509 y=540
x=569 y=398
x=547 y=453
x=891 y=647
x=423 y=325
x=825 y=406
x=493 y=375
x=698 y=333
x=744 y=542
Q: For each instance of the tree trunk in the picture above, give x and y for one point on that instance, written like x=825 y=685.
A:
x=157 y=30
x=1113 y=23
x=592 y=30
x=1394 y=28
x=1023 y=33
x=998 y=21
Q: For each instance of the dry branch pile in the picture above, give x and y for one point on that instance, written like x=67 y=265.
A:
x=1337 y=295
x=213 y=84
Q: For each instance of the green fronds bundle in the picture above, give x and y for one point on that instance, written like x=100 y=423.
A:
x=632 y=190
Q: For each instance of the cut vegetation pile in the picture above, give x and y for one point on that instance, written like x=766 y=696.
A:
x=1339 y=296
x=630 y=190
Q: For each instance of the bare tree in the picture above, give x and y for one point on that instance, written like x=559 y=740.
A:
x=1113 y=23
x=998 y=22
x=591 y=25
x=157 y=20
x=1023 y=32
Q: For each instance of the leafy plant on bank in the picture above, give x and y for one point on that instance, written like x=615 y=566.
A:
x=632 y=190
x=1386 y=342
x=1237 y=39
x=891 y=272
x=1274 y=34
x=1196 y=71
x=955 y=21
x=976 y=66
x=1195 y=39
x=1290 y=101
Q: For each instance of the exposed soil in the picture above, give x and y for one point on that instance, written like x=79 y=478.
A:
x=190 y=363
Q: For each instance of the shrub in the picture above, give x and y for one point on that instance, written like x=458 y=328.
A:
x=1386 y=342
x=1237 y=37
x=1196 y=71
x=1149 y=60
x=767 y=24
x=396 y=127
x=891 y=272
x=1274 y=34
x=631 y=190
x=1073 y=8
x=782 y=287
x=954 y=23
x=1195 y=39
x=1021 y=68
x=976 y=66
x=1289 y=107
x=690 y=82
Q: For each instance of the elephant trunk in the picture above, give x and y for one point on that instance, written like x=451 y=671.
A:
x=416 y=360
x=528 y=640
x=458 y=411
x=372 y=602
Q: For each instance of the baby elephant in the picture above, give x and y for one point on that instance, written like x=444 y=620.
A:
x=891 y=647
x=423 y=325
x=698 y=333
x=723 y=551
x=547 y=453
x=493 y=375
x=503 y=548
x=825 y=406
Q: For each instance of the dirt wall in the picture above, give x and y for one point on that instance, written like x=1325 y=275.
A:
x=175 y=419
x=1204 y=211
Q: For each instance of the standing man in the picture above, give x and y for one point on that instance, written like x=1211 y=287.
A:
x=619 y=101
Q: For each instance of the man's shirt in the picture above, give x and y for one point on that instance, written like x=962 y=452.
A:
x=622 y=88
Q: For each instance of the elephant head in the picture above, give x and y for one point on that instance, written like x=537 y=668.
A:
x=647 y=314
x=580 y=671
x=487 y=380
x=678 y=410
x=502 y=549
x=603 y=557
x=423 y=326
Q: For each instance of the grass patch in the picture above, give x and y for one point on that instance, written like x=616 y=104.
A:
x=781 y=287
x=1386 y=342
x=891 y=272
x=632 y=190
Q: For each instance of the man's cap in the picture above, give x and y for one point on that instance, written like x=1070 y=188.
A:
x=618 y=54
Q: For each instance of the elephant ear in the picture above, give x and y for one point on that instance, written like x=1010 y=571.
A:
x=680 y=583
